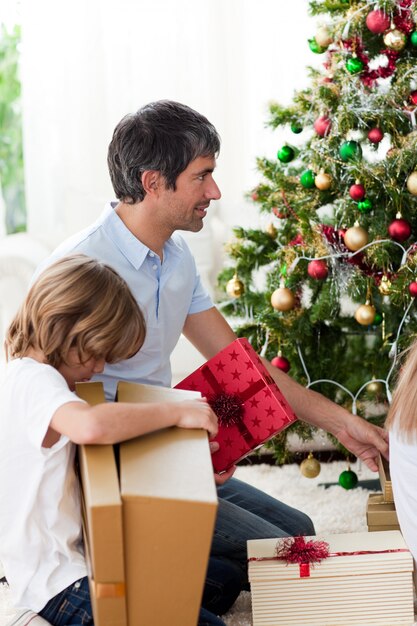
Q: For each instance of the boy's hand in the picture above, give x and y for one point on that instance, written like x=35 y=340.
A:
x=197 y=414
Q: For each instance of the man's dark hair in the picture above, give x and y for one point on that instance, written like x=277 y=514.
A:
x=164 y=136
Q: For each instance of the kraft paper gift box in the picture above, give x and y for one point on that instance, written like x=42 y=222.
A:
x=380 y=515
x=168 y=504
x=250 y=407
x=385 y=479
x=366 y=579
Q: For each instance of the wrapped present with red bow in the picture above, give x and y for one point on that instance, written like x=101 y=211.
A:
x=249 y=406
x=334 y=580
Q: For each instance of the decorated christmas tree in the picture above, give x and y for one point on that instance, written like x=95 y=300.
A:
x=326 y=288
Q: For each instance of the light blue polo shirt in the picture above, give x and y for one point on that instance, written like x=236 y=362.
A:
x=166 y=292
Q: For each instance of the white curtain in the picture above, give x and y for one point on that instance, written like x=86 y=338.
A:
x=86 y=63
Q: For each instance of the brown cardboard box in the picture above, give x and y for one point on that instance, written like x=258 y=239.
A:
x=385 y=479
x=169 y=506
x=103 y=524
x=381 y=515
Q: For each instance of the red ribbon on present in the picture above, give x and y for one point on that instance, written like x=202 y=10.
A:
x=221 y=401
x=306 y=553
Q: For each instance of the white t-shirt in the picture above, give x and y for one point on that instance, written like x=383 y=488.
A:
x=403 y=470
x=40 y=518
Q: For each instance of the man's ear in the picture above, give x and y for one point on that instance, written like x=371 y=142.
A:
x=151 y=181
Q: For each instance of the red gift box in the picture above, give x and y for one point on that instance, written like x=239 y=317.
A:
x=249 y=406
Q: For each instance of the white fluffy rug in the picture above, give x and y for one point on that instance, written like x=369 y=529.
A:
x=332 y=509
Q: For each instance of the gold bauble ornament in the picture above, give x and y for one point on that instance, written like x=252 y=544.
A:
x=271 y=230
x=323 y=181
x=395 y=39
x=385 y=286
x=412 y=183
x=310 y=467
x=355 y=238
x=282 y=299
x=365 y=314
x=323 y=37
x=375 y=386
x=235 y=288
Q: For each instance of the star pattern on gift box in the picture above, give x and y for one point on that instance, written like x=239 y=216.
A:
x=237 y=372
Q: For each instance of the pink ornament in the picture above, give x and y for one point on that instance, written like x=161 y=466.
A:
x=281 y=363
x=377 y=21
x=317 y=269
x=412 y=288
x=413 y=97
x=322 y=125
x=399 y=229
x=375 y=135
x=357 y=192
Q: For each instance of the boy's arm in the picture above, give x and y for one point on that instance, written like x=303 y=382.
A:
x=113 y=422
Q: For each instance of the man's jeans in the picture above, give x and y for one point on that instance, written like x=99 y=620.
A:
x=247 y=513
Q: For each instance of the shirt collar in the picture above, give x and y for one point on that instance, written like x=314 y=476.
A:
x=131 y=247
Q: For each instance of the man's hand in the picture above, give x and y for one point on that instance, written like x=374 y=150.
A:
x=364 y=440
x=220 y=479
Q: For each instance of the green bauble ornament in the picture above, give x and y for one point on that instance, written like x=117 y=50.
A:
x=378 y=319
x=364 y=206
x=413 y=39
x=285 y=154
x=307 y=179
x=354 y=65
x=296 y=128
x=350 y=150
x=348 y=479
x=314 y=46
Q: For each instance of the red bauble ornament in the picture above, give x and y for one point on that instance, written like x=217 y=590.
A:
x=322 y=125
x=413 y=97
x=281 y=363
x=357 y=192
x=375 y=135
x=412 y=288
x=399 y=229
x=318 y=269
x=377 y=21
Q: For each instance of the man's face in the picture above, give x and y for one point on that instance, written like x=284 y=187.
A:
x=185 y=207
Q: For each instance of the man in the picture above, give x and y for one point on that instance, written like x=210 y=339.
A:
x=161 y=162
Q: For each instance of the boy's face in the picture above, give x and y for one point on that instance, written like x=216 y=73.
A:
x=185 y=207
x=77 y=372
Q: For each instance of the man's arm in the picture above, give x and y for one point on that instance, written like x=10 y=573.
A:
x=209 y=332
